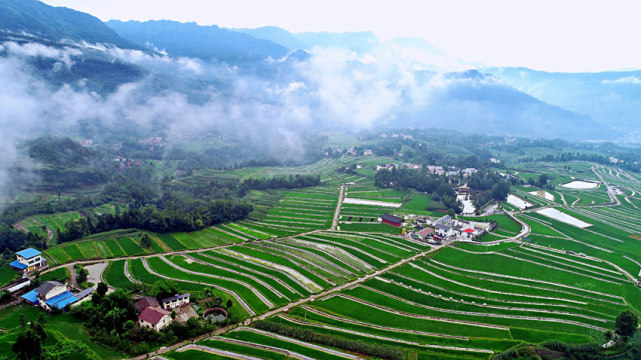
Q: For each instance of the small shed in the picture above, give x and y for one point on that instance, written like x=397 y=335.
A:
x=391 y=220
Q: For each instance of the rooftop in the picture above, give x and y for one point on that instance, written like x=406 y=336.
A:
x=28 y=253
x=84 y=293
x=18 y=265
x=392 y=218
x=31 y=297
x=62 y=300
x=146 y=302
x=152 y=315
x=176 y=297
x=425 y=232
x=47 y=286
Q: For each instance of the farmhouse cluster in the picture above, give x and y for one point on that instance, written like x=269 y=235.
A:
x=444 y=228
x=432 y=169
x=155 y=315
x=52 y=295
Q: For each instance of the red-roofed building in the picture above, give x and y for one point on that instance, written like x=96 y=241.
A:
x=154 y=318
x=146 y=302
x=391 y=220
x=469 y=233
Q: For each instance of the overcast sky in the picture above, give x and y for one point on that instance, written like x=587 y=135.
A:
x=553 y=35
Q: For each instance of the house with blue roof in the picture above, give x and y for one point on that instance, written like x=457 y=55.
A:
x=50 y=295
x=28 y=260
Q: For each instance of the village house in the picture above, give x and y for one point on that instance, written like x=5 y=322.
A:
x=28 y=260
x=423 y=220
x=424 y=233
x=145 y=302
x=154 y=318
x=444 y=230
x=50 y=295
x=413 y=166
x=469 y=233
x=175 y=301
x=385 y=167
x=351 y=151
x=436 y=170
x=469 y=172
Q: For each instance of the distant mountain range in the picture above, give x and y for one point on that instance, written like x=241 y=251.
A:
x=192 y=40
x=32 y=17
x=612 y=98
x=510 y=101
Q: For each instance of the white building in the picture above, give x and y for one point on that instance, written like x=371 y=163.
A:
x=28 y=260
x=175 y=301
x=154 y=318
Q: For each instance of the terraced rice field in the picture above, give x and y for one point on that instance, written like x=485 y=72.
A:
x=52 y=222
x=465 y=301
x=473 y=300
x=272 y=273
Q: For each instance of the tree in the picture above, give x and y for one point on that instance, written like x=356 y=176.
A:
x=173 y=315
x=28 y=345
x=500 y=190
x=82 y=275
x=542 y=180
x=145 y=240
x=626 y=323
x=229 y=303
x=102 y=289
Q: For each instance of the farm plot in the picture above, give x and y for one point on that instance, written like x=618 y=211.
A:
x=298 y=211
x=272 y=273
x=52 y=222
x=441 y=306
x=141 y=271
x=115 y=276
x=98 y=249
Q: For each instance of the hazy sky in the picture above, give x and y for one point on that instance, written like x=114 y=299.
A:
x=555 y=35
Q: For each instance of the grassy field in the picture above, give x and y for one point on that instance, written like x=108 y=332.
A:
x=465 y=301
x=56 y=326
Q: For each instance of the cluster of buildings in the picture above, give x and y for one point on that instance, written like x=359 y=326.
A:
x=86 y=142
x=451 y=171
x=155 y=315
x=352 y=151
x=397 y=135
x=449 y=228
x=49 y=295
x=614 y=160
x=52 y=295
x=432 y=169
x=444 y=228
x=125 y=163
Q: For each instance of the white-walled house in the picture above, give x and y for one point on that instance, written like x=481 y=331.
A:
x=154 y=317
x=175 y=301
x=28 y=260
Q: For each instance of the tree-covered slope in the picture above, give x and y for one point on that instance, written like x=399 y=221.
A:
x=56 y=23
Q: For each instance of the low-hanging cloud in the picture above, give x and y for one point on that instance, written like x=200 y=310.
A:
x=333 y=89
